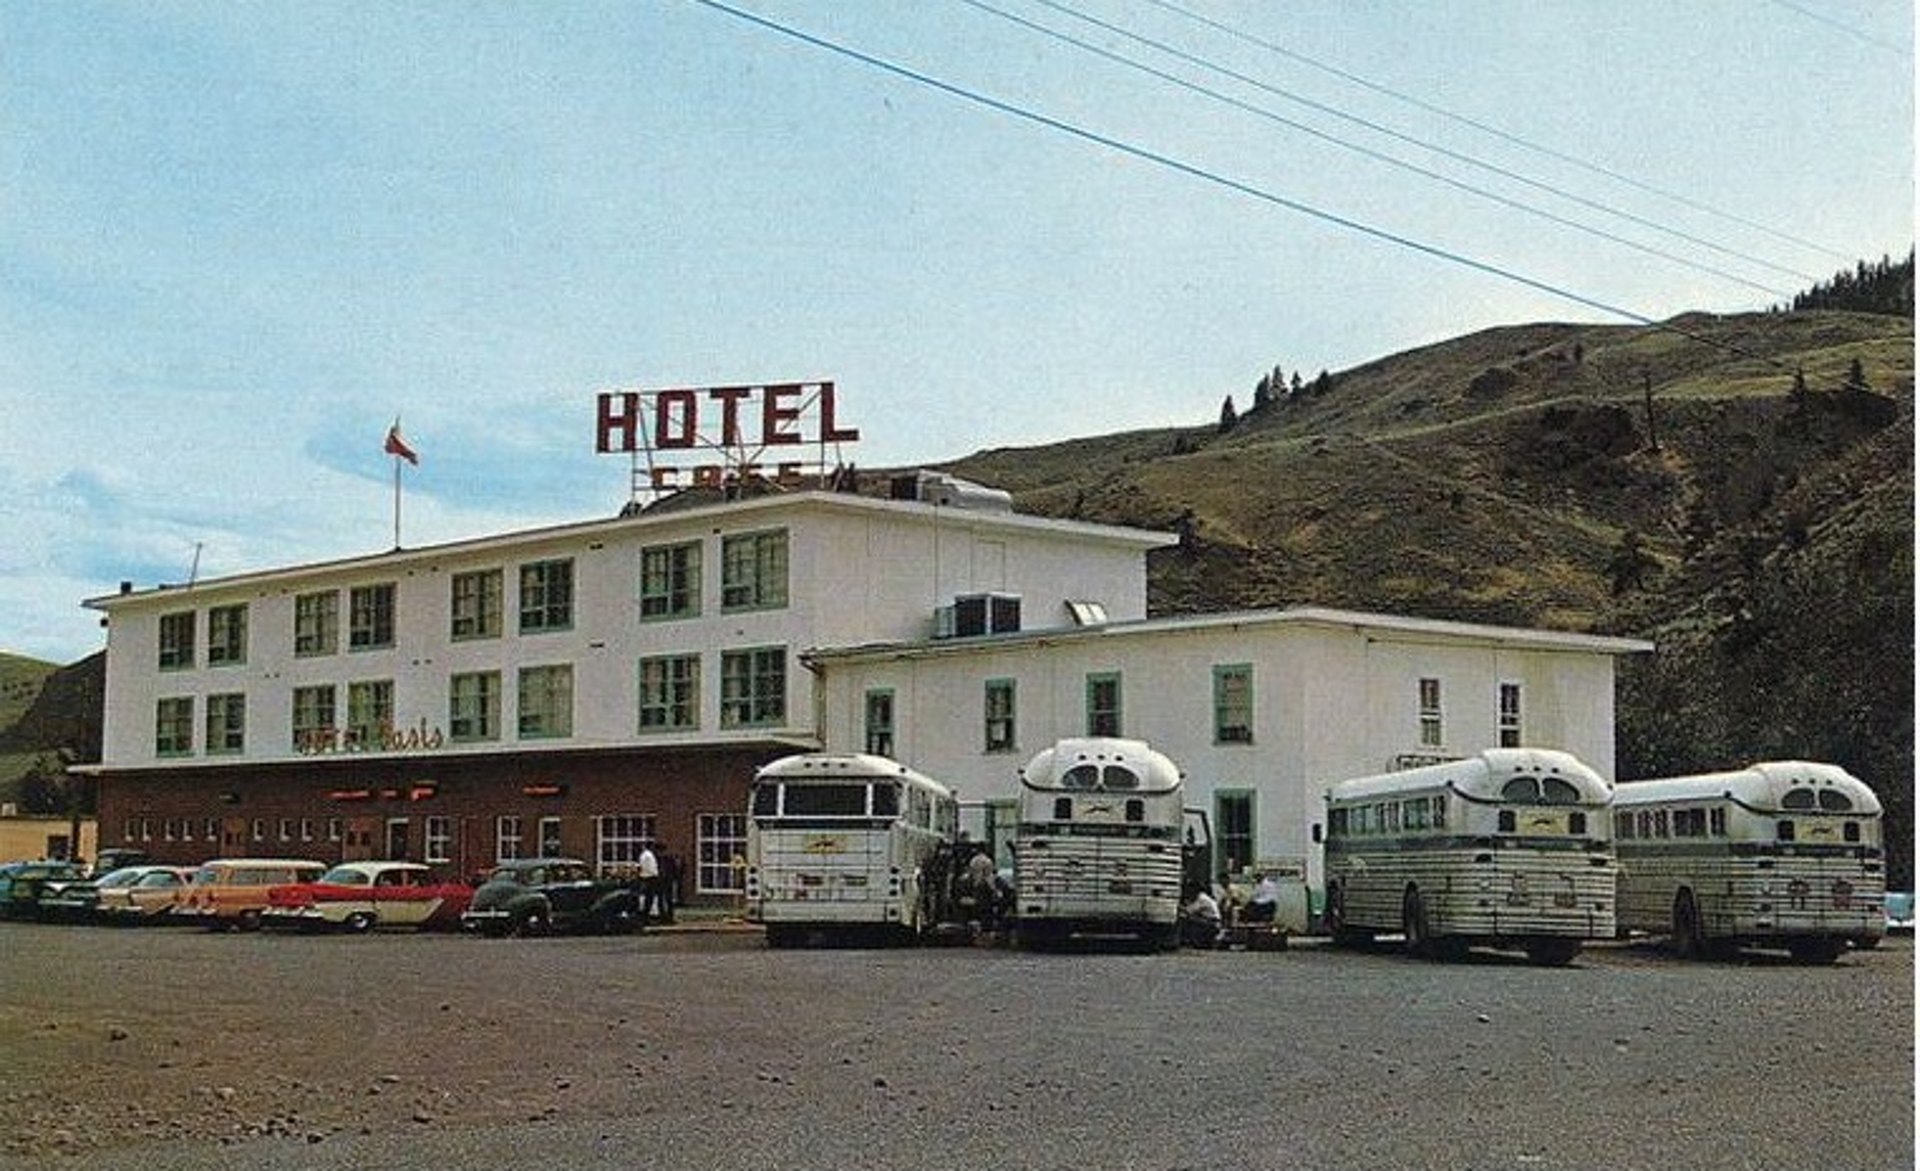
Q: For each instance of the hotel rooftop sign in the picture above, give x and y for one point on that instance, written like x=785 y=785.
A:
x=719 y=436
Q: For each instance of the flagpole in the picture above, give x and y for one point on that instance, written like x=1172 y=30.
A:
x=396 y=502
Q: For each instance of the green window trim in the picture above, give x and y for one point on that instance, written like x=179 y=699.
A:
x=1233 y=703
x=1001 y=708
x=1105 y=708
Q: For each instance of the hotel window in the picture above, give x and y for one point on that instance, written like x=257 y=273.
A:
x=546 y=702
x=880 y=722
x=550 y=846
x=669 y=693
x=226 y=723
x=1510 y=726
x=335 y=828
x=753 y=571
x=173 y=727
x=720 y=839
x=306 y=829
x=1233 y=704
x=176 y=641
x=226 y=635
x=286 y=829
x=211 y=830
x=473 y=706
x=1103 y=705
x=753 y=687
x=670 y=581
x=1000 y=715
x=257 y=829
x=370 y=617
x=620 y=838
x=1431 y=729
x=439 y=838
x=316 y=624
x=546 y=596
x=313 y=718
x=479 y=598
x=506 y=838
x=369 y=712
x=1233 y=819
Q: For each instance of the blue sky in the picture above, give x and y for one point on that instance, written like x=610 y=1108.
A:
x=237 y=240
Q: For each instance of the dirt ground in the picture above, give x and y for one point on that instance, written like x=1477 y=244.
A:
x=179 y=1048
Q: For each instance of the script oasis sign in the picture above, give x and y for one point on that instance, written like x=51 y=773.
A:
x=710 y=437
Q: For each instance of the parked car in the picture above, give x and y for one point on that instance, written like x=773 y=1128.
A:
x=149 y=898
x=115 y=857
x=534 y=896
x=359 y=896
x=23 y=886
x=232 y=892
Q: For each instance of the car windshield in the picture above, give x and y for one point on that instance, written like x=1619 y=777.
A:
x=345 y=876
x=125 y=876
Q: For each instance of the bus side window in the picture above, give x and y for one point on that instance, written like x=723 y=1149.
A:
x=1063 y=809
x=1717 y=822
x=1440 y=811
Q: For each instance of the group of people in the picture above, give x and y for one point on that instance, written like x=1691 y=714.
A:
x=1204 y=923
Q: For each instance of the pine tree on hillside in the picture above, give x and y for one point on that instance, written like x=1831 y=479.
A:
x=1228 y=416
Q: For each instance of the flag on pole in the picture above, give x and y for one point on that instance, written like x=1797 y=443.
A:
x=397 y=445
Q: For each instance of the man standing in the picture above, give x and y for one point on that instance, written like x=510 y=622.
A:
x=649 y=882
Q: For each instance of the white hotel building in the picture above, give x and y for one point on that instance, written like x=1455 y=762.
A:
x=584 y=688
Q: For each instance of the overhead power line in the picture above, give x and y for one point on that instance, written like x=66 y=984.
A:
x=1191 y=170
x=1497 y=132
x=1446 y=152
x=1369 y=152
x=1850 y=30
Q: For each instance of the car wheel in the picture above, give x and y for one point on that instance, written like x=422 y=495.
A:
x=360 y=922
x=249 y=920
x=532 y=923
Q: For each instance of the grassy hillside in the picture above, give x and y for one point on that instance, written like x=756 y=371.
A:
x=1688 y=489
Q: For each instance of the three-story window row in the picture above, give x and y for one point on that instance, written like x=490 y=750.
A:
x=754 y=690
x=754 y=573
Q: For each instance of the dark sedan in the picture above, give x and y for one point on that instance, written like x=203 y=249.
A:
x=535 y=896
x=24 y=886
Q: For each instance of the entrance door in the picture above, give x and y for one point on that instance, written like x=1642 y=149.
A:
x=358 y=845
x=397 y=839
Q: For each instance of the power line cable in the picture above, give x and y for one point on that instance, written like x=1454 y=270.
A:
x=1495 y=131
x=1379 y=156
x=1850 y=30
x=1457 y=156
x=1197 y=172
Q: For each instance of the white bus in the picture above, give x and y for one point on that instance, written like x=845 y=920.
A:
x=1509 y=848
x=1783 y=854
x=838 y=842
x=1099 y=847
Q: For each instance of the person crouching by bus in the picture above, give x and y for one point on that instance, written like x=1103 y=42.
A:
x=1200 y=921
x=980 y=886
x=1265 y=901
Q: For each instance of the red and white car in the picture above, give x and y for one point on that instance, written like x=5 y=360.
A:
x=359 y=896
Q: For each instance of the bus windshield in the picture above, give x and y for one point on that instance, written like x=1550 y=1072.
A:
x=831 y=800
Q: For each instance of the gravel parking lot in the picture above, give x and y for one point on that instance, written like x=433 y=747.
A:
x=183 y=1049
